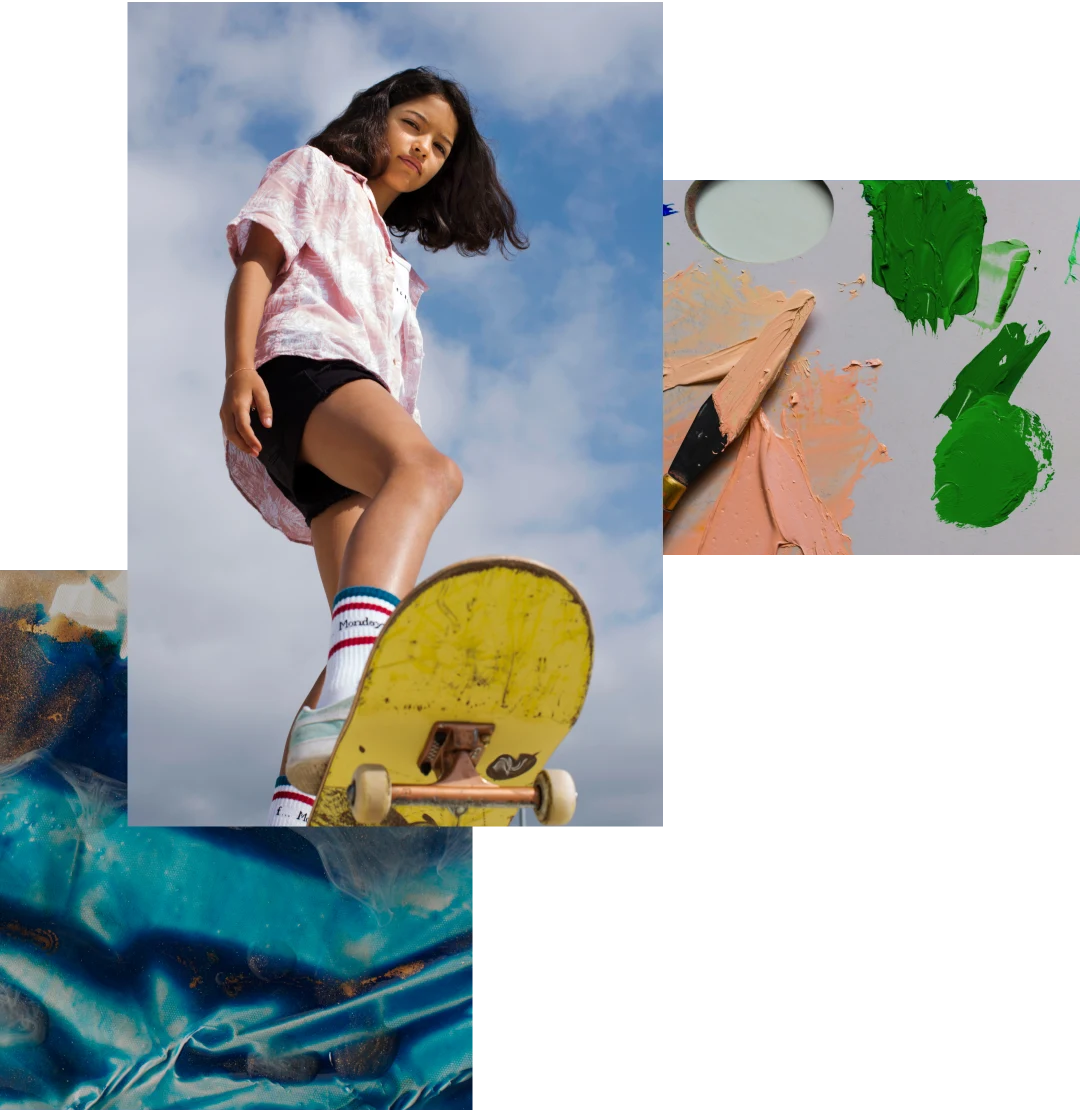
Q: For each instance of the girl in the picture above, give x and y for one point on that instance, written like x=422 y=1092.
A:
x=323 y=357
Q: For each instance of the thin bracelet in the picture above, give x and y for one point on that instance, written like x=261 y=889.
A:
x=239 y=369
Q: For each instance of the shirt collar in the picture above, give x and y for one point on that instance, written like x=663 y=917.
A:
x=353 y=173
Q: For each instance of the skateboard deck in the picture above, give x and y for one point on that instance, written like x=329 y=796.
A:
x=474 y=681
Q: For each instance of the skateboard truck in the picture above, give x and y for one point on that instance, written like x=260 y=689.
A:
x=452 y=751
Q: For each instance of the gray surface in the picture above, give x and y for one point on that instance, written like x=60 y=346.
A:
x=893 y=509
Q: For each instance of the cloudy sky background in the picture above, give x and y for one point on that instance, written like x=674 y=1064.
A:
x=540 y=375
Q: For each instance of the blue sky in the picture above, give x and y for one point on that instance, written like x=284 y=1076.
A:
x=540 y=375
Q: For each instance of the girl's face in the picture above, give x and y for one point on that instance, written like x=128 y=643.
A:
x=420 y=134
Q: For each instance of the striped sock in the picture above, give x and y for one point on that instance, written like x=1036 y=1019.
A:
x=288 y=806
x=357 y=618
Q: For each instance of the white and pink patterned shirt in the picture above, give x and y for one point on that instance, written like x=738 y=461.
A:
x=334 y=297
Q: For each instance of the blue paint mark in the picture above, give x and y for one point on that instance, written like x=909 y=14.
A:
x=669 y=210
x=949 y=186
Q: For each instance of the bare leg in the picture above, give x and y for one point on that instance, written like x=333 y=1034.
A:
x=330 y=534
x=362 y=438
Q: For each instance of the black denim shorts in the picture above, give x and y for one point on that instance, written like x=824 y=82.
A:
x=297 y=384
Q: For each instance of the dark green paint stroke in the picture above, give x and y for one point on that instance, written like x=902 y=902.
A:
x=996 y=369
x=995 y=453
x=926 y=244
x=988 y=462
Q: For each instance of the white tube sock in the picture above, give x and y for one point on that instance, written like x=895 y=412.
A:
x=358 y=616
x=288 y=806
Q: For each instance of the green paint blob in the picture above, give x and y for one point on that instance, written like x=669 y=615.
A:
x=926 y=244
x=995 y=369
x=1001 y=268
x=989 y=461
x=995 y=453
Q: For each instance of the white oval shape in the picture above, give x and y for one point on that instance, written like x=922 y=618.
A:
x=759 y=221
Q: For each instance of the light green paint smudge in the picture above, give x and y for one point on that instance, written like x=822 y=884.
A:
x=1001 y=268
x=995 y=454
x=926 y=245
x=1072 y=260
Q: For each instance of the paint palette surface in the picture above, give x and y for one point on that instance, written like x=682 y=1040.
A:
x=930 y=404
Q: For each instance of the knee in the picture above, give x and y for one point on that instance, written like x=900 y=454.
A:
x=449 y=476
x=452 y=478
x=438 y=474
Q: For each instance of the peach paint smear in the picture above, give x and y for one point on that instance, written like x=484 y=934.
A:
x=790 y=492
x=711 y=317
x=826 y=423
x=786 y=491
x=768 y=505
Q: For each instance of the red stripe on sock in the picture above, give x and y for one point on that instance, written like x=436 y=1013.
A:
x=349 y=642
x=361 y=606
x=286 y=794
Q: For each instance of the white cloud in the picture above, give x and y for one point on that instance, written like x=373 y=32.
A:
x=228 y=60
x=576 y=59
x=309 y=59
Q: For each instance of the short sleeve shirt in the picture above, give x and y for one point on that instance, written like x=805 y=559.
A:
x=342 y=292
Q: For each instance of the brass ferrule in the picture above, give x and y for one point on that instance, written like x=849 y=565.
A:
x=673 y=491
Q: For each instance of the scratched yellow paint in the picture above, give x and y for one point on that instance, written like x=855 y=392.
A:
x=497 y=641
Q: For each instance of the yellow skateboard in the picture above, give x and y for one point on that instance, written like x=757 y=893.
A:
x=476 y=678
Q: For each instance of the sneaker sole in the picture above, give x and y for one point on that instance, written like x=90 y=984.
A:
x=307 y=774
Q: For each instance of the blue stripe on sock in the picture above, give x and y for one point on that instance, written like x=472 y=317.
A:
x=369 y=591
x=282 y=781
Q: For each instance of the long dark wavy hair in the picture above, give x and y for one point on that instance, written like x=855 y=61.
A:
x=463 y=206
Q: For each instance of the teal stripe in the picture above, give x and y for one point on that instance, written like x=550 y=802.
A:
x=282 y=781
x=384 y=596
x=36 y=229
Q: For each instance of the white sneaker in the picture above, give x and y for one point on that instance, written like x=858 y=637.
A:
x=311 y=743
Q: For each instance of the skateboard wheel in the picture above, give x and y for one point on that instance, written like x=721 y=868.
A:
x=369 y=794
x=557 y=797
